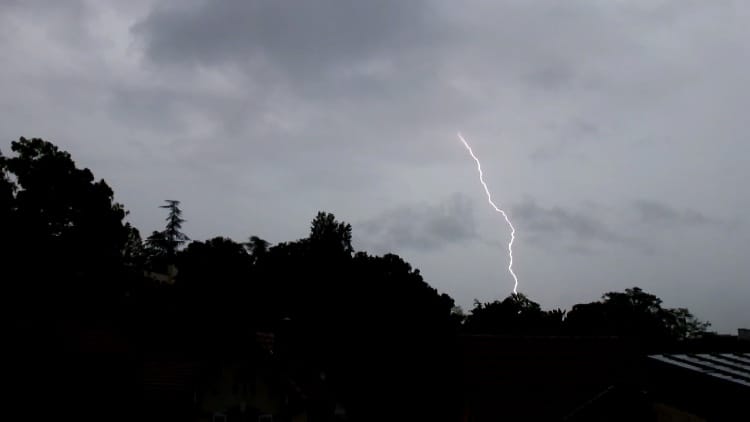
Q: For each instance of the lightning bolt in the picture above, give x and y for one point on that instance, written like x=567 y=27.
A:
x=497 y=209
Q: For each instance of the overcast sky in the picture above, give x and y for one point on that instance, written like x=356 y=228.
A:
x=614 y=132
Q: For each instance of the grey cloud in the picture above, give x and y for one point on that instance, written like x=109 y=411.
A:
x=421 y=226
x=327 y=52
x=571 y=137
x=300 y=36
x=556 y=223
x=62 y=20
x=657 y=213
x=268 y=111
x=151 y=108
x=349 y=78
x=552 y=77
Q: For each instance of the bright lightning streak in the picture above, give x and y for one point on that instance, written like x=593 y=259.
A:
x=497 y=209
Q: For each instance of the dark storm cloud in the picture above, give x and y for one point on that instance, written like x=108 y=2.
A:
x=422 y=226
x=264 y=112
x=322 y=50
x=328 y=70
x=299 y=36
x=657 y=213
x=556 y=223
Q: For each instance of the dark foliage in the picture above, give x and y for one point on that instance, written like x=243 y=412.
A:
x=634 y=313
x=63 y=233
x=515 y=315
x=385 y=339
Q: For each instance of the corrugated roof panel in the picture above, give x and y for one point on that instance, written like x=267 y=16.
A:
x=712 y=367
x=703 y=363
x=725 y=362
x=744 y=357
x=665 y=359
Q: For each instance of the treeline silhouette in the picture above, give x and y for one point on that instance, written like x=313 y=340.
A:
x=384 y=338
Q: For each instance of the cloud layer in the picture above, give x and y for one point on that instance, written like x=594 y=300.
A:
x=422 y=226
x=614 y=132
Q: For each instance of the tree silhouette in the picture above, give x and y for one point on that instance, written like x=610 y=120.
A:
x=328 y=234
x=162 y=246
x=172 y=232
x=133 y=250
x=257 y=248
x=171 y=238
x=682 y=324
x=67 y=230
x=11 y=240
x=634 y=313
x=7 y=191
x=516 y=314
x=371 y=323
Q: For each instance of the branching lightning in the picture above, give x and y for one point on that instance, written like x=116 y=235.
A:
x=497 y=209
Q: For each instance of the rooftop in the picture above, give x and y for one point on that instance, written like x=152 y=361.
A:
x=732 y=367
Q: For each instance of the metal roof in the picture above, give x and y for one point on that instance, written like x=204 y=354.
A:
x=732 y=367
